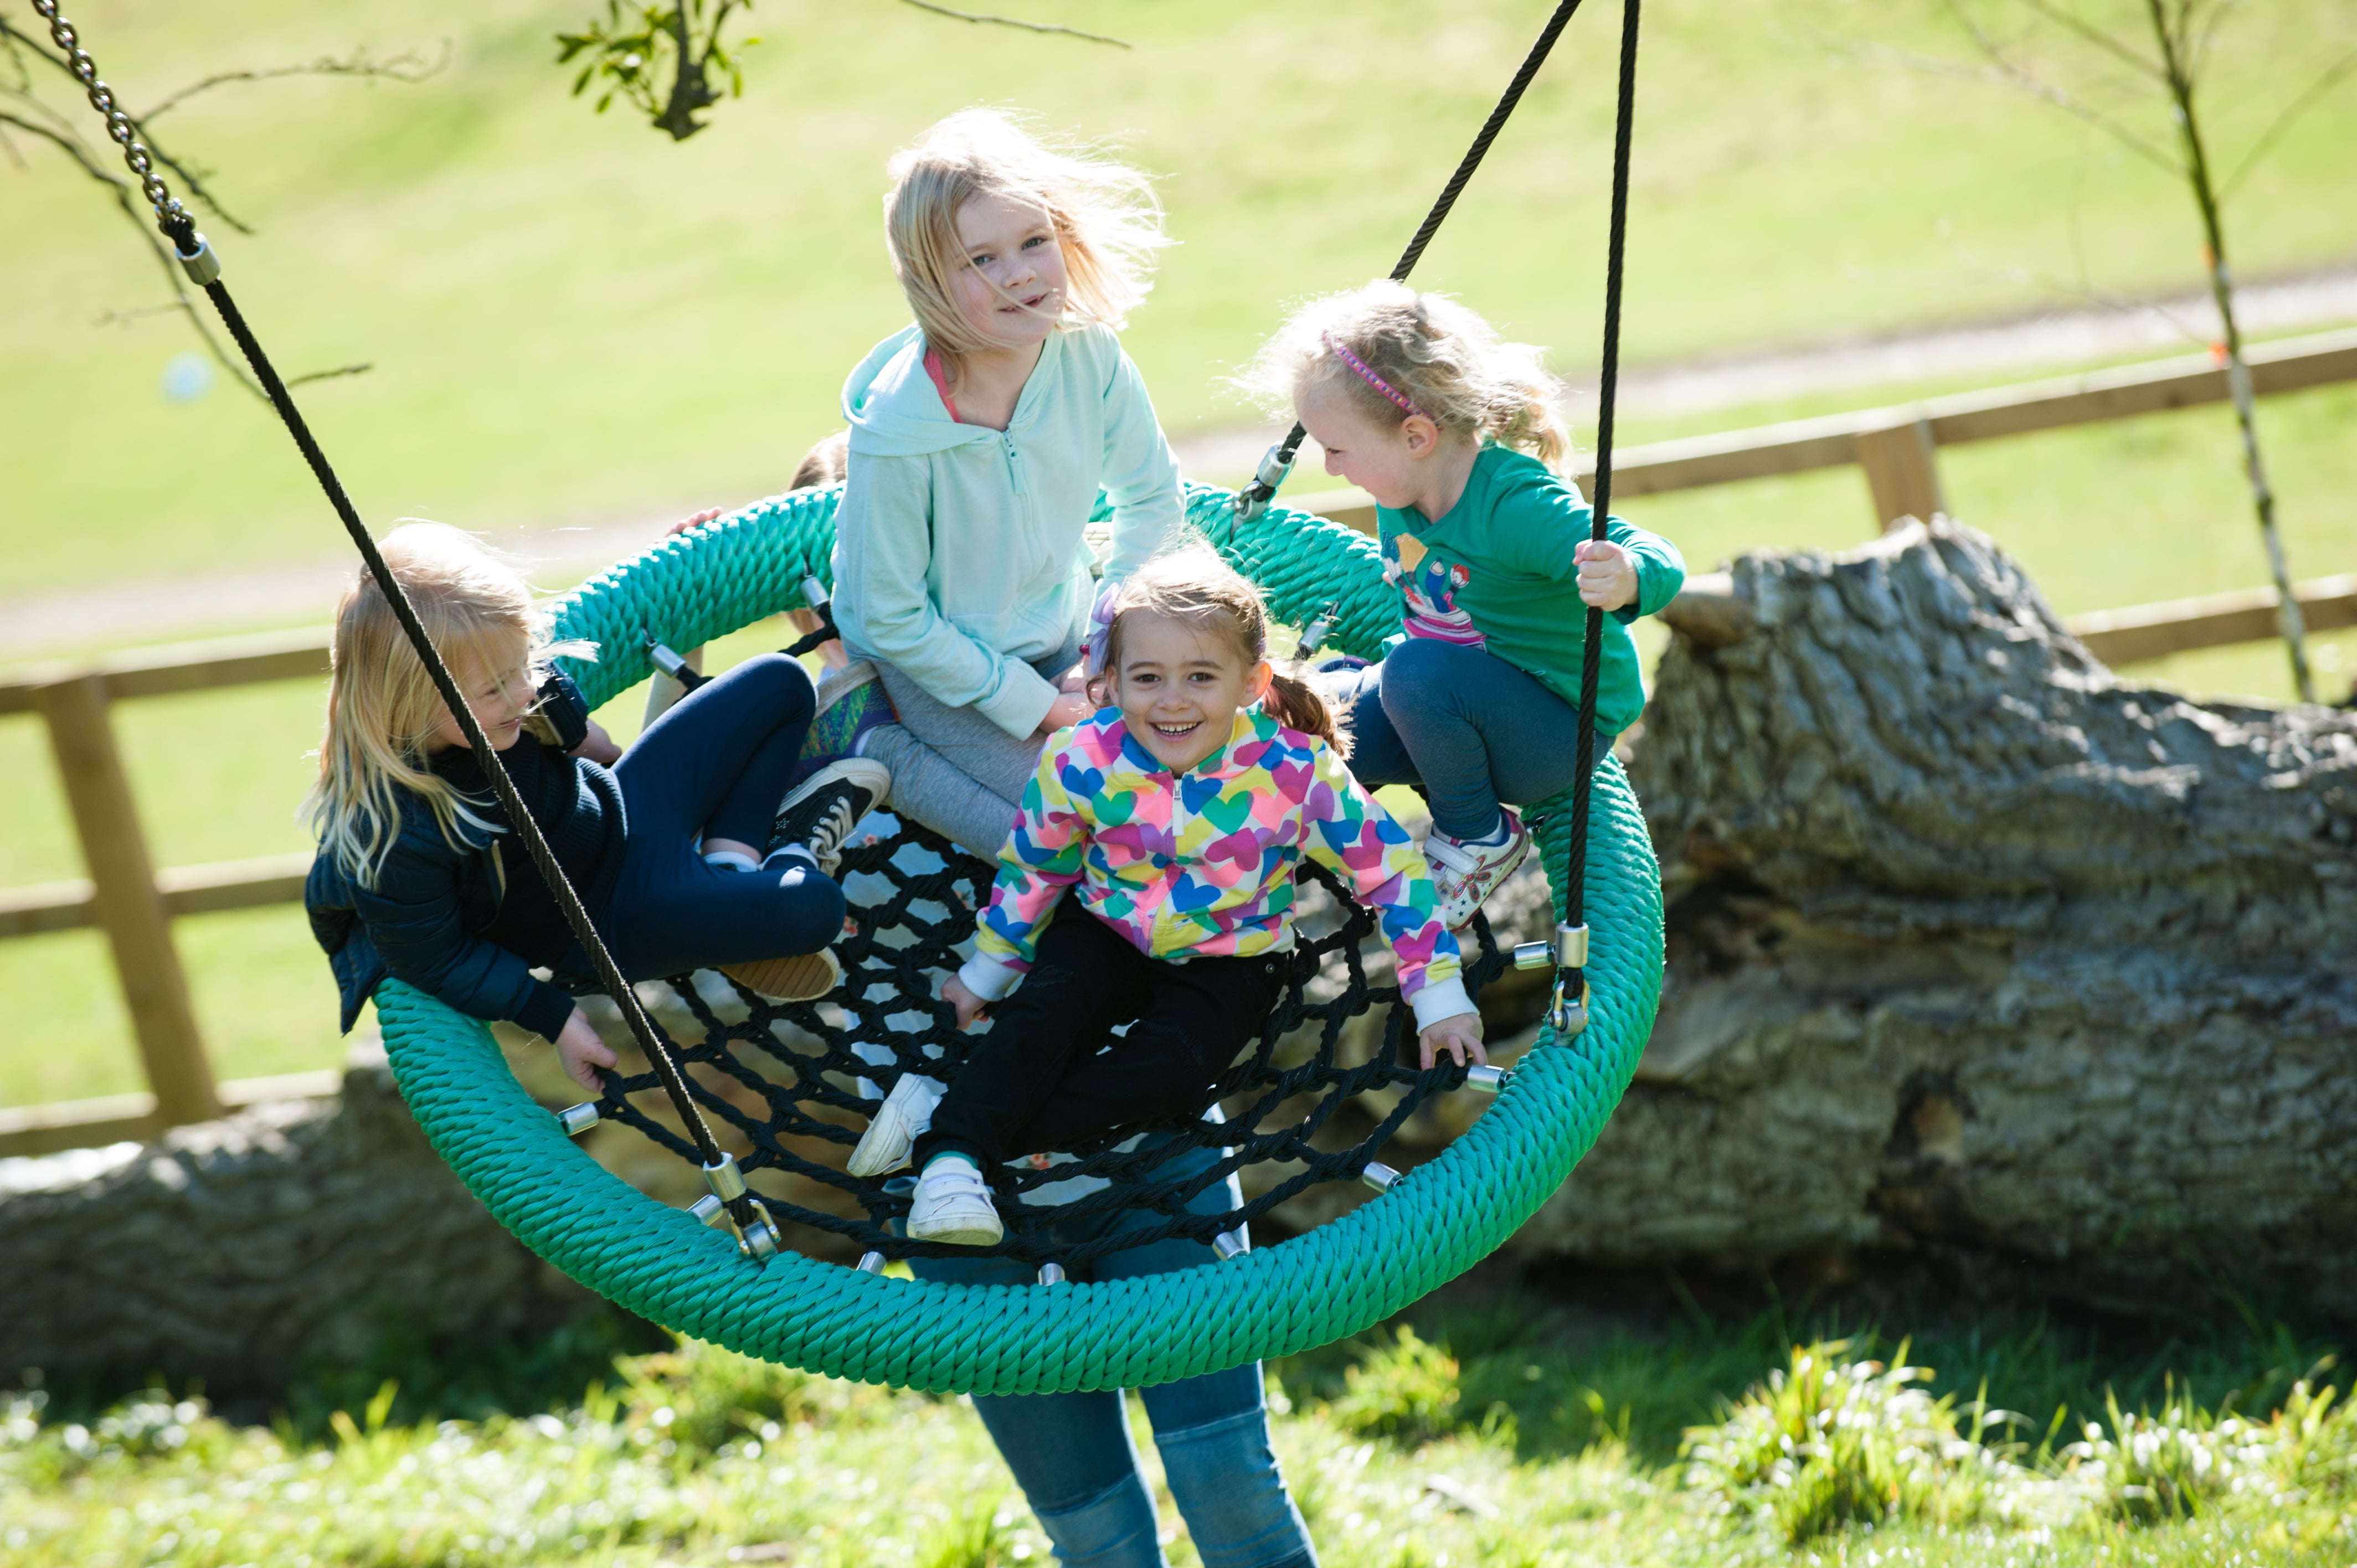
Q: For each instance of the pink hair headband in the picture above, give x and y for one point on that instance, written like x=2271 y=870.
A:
x=1367 y=374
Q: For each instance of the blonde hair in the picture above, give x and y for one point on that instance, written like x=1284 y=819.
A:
x=1435 y=352
x=1194 y=586
x=381 y=704
x=1104 y=214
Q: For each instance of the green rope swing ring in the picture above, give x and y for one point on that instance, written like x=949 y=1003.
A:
x=665 y=1265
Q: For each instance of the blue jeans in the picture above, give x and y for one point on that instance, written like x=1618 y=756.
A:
x=1468 y=727
x=716 y=763
x=1071 y=1454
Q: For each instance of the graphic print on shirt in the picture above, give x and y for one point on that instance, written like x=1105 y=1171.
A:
x=1428 y=586
x=1202 y=864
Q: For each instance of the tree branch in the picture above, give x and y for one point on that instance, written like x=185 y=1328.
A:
x=2096 y=35
x=407 y=66
x=978 y=16
x=2308 y=100
x=135 y=211
x=2037 y=87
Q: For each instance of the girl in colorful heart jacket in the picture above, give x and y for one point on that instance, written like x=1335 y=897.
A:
x=1150 y=882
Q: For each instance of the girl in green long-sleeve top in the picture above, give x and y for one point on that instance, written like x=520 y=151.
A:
x=1455 y=437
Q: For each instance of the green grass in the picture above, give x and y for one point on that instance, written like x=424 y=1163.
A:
x=1700 y=1446
x=572 y=319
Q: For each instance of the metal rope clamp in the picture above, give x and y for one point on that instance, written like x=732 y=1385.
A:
x=758 y=1241
x=1568 y=953
x=201 y=265
x=1254 y=499
x=1320 y=628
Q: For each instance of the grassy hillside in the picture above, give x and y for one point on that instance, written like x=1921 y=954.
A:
x=572 y=318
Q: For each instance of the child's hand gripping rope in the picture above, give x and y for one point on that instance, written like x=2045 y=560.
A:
x=1608 y=575
x=1459 y=1035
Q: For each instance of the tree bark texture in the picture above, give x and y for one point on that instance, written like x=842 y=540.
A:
x=236 y=1250
x=1978 y=950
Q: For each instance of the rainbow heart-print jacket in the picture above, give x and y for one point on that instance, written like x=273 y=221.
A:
x=1202 y=862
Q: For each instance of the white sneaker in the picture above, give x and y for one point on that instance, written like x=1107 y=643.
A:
x=1465 y=874
x=907 y=1115
x=953 y=1205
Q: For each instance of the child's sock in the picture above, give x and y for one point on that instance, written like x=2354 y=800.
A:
x=1492 y=839
x=787 y=857
x=948 y=1158
x=734 y=859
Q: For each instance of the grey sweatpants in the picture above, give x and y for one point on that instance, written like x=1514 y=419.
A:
x=953 y=769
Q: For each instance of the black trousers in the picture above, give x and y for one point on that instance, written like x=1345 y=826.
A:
x=1050 y=1074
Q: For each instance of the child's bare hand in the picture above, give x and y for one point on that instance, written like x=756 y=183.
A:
x=1068 y=708
x=695 y=520
x=1608 y=575
x=582 y=1052
x=969 y=1007
x=1460 y=1036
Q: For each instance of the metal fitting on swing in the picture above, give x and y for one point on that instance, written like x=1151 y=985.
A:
x=579 y=1119
x=672 y=664
x=1320 y=628
x=815 y=593
x=727 y=1182
x=201 y=265
x=1568 y=948
x=871 y=1263
x=1229 y=1245
x=1254 y=499
x=759 y=1241
x=1484 y=1078
x=1564 y=1015
x=1379 y=1176
x=1052 y=1274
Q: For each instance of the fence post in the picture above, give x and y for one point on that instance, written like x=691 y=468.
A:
x=1901 y=472
x=130 y=907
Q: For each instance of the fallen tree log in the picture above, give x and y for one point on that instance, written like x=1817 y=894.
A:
x=1979 y=952
x=235 y=1252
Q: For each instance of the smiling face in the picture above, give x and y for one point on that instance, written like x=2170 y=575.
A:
x=1388 y=458
x=1011 y=288
x=1180 y=685
x=498 y=684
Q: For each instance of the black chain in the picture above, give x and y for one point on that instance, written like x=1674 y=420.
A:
x=175 y=221
x=1262 y=487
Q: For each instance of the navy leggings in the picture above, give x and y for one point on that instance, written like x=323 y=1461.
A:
x=1468 y=727
x=716 y=763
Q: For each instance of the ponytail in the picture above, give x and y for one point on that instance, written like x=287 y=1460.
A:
x=1298 y=705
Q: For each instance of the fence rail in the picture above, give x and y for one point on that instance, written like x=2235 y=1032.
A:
x=134 y=902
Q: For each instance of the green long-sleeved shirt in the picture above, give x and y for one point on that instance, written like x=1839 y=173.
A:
x=1497 y=572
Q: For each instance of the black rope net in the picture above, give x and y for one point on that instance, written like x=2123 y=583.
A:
x=797 y=1081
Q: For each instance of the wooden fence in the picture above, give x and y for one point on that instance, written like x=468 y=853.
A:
x=133 y=903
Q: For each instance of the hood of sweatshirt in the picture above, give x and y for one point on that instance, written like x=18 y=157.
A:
x=893 y=408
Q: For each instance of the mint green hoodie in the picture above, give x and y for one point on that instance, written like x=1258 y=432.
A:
x=958 y=554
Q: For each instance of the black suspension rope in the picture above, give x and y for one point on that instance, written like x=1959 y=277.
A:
x=197 y=260
x=1255 y=496
x=1616 y=244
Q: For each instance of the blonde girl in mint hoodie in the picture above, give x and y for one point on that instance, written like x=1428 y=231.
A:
x=980 y=438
